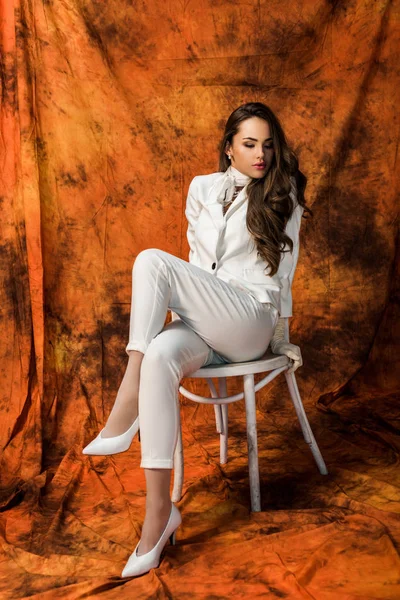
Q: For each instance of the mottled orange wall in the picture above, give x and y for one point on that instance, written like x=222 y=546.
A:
x=108 y=109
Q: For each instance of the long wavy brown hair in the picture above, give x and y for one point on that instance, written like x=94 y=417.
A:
x=269 y=203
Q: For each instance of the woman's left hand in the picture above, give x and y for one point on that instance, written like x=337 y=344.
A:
x=290 y=350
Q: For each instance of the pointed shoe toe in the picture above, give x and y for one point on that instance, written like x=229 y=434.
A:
x=138 y=565
x=112 y=445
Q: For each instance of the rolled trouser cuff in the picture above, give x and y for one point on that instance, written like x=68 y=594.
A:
x=156 y=463
x=140 y=346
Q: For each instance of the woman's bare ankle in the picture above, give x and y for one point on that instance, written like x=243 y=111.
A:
x=121 y=417
x=125 y=409
x=117 y=427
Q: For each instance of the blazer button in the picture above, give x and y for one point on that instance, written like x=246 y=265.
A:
x=213 y=265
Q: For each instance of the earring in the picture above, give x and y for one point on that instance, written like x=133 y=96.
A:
x=229 y=156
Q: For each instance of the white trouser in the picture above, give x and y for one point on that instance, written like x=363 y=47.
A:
x=218 y=323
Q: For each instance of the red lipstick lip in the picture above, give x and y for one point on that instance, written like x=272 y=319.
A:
x=259 y=165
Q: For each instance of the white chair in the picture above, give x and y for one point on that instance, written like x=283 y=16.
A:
x=273 y=363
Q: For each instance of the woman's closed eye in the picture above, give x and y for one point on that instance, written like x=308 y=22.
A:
x=252 y=146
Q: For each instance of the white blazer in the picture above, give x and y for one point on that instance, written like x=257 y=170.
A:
x=222 y=245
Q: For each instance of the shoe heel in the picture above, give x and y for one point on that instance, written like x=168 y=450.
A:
x=172 y=538
x=138 y=434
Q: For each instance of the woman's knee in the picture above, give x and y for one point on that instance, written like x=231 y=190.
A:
x=176 y=349
x=148 y=256
x=161 y=357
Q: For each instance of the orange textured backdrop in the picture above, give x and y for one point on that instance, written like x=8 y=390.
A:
x=108 y=109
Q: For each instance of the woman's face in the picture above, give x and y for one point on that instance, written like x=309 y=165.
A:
x=250 y=146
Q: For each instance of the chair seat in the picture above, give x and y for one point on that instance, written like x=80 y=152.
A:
x=267 y=362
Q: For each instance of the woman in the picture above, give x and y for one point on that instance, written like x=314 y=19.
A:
x=242 y=220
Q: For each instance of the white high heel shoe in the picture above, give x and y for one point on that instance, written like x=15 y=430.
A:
x=137 y=565
x=113 y=445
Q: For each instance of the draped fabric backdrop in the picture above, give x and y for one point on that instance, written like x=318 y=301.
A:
x=108 y=109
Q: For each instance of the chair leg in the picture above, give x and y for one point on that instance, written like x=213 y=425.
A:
x=178 y=462
x=223 y=438
x=218 y=417
x=217 y=407
x=304 y=424
x=251 y=426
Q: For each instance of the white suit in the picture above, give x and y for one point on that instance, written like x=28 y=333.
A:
x=222 y=245
x=225 y=309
